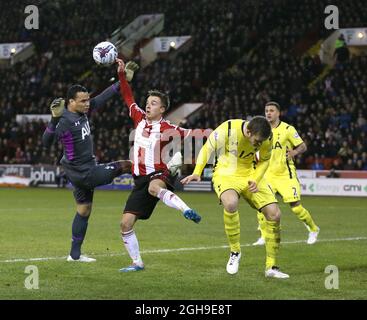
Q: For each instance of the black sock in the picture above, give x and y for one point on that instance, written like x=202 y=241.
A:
x=79 y=229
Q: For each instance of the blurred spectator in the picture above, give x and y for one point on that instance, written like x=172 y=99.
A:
x=349 y=165
x=243 y=53
x=332 y=174
x=336 y=165
x=341 y=54
x=317 y=163
x=340 y=41
x=358 y=165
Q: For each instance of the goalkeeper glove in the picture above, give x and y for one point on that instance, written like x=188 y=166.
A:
x=57 y=107
x=130 y=68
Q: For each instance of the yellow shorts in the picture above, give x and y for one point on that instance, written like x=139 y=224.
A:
x=289 y=189
x=239 y=184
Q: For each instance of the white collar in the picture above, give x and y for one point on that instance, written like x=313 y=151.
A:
x=154 y=122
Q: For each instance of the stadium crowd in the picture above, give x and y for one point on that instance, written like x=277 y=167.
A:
x=243 y=54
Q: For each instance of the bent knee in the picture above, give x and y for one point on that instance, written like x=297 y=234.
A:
x=295 y=204
x=126 y=166
x=274 y=214
x=125 y=226
x=153 y=190
x=127 y=222
x=229 y=199
x=230 y=206
x=84 y=209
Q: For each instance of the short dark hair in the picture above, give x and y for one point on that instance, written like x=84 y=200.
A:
x=273 y=103
x=161 y=95
x=73 y=90
x=259 y=125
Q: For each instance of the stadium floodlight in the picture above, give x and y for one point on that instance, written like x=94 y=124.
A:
x=172 y=44
x=360 y=35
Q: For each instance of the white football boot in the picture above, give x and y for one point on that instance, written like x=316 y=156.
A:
x=82 y=258
x=259 y=242
x=274 y=272
x=233 y=262
x=312 y=236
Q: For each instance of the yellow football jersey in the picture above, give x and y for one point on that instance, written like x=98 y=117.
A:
x=285 y=137
x=234 y=154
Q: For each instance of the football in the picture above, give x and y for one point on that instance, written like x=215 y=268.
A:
x=105 y=53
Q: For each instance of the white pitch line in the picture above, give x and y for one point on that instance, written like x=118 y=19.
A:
x=177 y=250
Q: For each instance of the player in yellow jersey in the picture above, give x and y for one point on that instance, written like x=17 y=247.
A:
x=281 y=174
x=234 y=145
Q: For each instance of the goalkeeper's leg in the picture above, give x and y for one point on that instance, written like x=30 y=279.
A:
x=103 y=174
x=79 y=229
x=84 y=199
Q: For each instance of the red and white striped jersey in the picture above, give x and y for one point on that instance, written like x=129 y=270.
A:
x=150 y=138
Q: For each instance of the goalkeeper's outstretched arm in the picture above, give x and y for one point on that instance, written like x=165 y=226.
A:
x=99 y=101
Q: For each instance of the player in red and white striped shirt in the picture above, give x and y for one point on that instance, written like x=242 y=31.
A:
x=153 y=180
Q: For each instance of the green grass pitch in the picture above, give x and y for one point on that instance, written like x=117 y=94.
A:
x=183 y=260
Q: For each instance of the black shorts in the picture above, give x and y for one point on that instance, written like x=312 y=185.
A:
x=141 y=202
x=83 y=196
x=98 y=175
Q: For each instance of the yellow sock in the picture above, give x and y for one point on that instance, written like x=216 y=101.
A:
x=272 y=242
x=232 y=228
x=262 y=224
x=305 y=217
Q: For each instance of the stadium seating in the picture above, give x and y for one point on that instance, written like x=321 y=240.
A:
x=244 y=53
